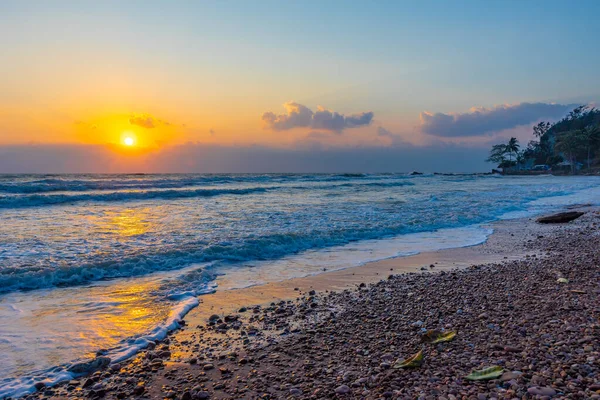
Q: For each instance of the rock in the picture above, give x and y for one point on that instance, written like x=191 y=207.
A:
x=560 y=217
x=115 y=367
x=164 y=354
x=208 y=366
x=295 y=392
x=39 y=385
x=186 y=396
x=203 y=395
x=88 y=382
x=90 y=366
x=139 y=389
x=344 y=389
x=508 y=376
x=541 y=391
x=214 y=318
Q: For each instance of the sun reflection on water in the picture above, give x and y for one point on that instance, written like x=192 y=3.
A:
x=126 y=222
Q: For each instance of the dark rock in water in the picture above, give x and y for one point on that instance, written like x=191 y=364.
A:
x=560 y=217
x=39 y=385
x=90 y=366
x=416 y=173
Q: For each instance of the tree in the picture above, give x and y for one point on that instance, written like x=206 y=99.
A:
x=512 y=147
x=520 y=158
x=570 y=143
x=590 y=137
x=497 y=154
x=540 y=129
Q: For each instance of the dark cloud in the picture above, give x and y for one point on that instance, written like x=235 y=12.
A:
x=298 y=116
x=146 y=121
x=481 y=121
x=46 y=158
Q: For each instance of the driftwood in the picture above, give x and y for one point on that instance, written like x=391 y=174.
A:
x=560 y=217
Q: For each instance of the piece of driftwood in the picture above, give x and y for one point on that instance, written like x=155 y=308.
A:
x=560 y=218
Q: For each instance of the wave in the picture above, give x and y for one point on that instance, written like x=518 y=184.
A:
x=37 y=200
x=70 y=183
x=267 y=247
x=55 y=199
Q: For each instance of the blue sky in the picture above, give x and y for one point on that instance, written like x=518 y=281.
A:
x=213 y=69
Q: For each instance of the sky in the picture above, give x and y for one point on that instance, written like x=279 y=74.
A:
x=272 y=86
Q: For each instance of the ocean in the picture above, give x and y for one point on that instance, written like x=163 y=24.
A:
x=109 y=262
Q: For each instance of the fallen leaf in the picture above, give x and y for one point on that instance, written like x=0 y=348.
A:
x=485 y=374
x=435 y=336
x=412 y=362
x=562 y=280
x=577 y=291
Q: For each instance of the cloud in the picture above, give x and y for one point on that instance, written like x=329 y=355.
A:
x=299 y=116
x=481 y=121
x=146 y=121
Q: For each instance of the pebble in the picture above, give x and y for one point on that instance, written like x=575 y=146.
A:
x=343 y=389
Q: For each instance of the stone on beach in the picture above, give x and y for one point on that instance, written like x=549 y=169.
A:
x=90 y=366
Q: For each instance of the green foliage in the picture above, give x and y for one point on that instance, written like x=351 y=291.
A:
x=575 y=138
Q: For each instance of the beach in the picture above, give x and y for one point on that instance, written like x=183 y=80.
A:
x=525 y=301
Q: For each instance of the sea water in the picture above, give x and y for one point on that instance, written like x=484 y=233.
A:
x=109 y=262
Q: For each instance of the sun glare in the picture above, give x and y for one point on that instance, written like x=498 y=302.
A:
x=128 y=141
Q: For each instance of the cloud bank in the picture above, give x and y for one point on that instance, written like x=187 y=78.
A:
x=481 y=121
x=205 y=158
x=300 y=116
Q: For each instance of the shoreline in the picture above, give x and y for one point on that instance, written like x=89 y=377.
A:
x=510 y=242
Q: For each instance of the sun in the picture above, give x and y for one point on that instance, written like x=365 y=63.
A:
x=128 y=139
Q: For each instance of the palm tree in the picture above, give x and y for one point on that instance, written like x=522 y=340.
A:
x=497 y=154
x=512 y=147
